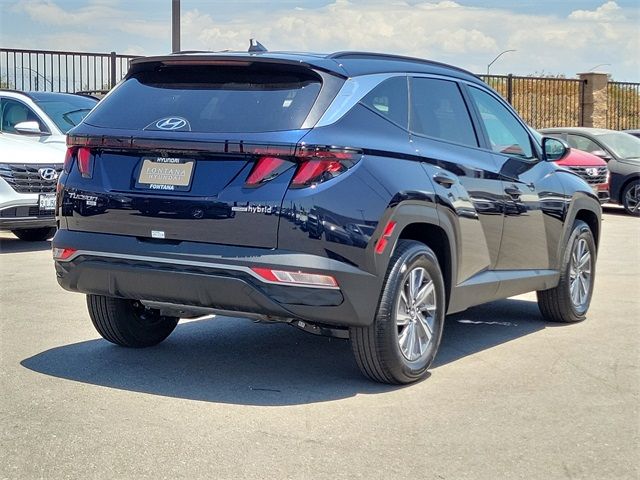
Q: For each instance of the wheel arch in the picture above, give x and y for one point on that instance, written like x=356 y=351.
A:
x=587 y=209
x=436 y=238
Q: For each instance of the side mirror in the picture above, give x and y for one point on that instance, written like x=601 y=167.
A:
x=602 y=154
x=29 y=128
x=554 y=149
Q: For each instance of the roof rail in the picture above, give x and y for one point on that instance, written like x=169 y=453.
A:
x=389 y=56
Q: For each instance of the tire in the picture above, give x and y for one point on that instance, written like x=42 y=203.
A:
x=35 y=234
x=559 y=304
x=378 y=348
x=631 y=198
x=127 y=322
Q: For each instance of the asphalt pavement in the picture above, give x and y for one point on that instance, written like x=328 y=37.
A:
x=510 y=396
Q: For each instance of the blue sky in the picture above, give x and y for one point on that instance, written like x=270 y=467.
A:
x=560 y=37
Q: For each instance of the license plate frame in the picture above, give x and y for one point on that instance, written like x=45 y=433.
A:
x=164 y=174
x=47 y=202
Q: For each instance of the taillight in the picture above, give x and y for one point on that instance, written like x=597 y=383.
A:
x=85 y=165
x=319 y=164
x=315 y=165
x=68 y=160
x=265 y=169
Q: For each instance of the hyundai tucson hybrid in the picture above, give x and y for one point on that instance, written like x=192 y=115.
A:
x=358 y=195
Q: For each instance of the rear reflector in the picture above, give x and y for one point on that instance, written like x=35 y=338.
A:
x=295 y=278
x=63 y=253
x=384 y=239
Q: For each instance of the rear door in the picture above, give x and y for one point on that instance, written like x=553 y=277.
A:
x=465 y=177
x=187 y=153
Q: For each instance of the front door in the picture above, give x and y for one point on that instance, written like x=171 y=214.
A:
x=532 y=195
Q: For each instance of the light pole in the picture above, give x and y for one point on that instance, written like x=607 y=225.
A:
x=599 y=65
x=499 y=55
x=175 y=26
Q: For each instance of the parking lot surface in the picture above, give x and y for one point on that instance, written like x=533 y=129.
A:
x=510 y=396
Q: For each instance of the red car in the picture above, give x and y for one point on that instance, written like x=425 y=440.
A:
x=592 y=169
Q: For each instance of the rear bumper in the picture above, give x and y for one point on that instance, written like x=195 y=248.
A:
x=214 y=276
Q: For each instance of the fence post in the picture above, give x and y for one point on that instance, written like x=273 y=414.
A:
x=112 y=70
x=510 y=88
x=594 y=99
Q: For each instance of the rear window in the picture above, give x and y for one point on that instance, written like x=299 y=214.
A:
x=210 y=99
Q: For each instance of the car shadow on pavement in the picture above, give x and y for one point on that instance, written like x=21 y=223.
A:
x=237 y=361
x=15 y=245
x=617 y=210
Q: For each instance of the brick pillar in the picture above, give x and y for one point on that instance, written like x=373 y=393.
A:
x=594 y=99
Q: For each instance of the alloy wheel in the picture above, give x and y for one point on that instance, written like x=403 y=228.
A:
x=580 y=274
x=416 y=314
x=632 y=199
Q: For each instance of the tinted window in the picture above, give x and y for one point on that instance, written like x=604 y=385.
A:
x=389 y=99
x=622 y=144
x=582 y=143
x=438 y=110
x=66 y=112
x=506 y=134
x=211 y=99
x=14 y=112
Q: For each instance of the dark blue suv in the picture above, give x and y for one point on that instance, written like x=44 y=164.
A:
x=358 y=195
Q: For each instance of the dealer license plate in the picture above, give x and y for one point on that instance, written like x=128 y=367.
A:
x=165 y=174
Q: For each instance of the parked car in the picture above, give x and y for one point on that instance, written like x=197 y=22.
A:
x=620 y=150
x=635 y=133
x=45 y=117
x=432 y=212
x=28 y=175
x=591 y=168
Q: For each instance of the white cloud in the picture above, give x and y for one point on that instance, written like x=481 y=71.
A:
x=607 y=12
x=449 y=31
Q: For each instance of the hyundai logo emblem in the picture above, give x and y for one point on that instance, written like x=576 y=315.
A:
x=592 y=172
x=48 y=173
x=172 y=123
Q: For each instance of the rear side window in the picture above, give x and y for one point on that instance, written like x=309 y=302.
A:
x=438 y=110
x=210 y=99
x=390 y=100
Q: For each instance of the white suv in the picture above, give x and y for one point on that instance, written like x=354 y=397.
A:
x=43 y=117
x=29 y=173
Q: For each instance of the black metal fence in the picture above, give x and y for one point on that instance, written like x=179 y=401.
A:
x=58 y=71
x=542 y=101
x=623 y=108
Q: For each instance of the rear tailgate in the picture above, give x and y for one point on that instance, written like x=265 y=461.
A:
x=171 y=149
x=209 y=203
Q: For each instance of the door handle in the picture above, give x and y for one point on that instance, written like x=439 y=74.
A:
x=444 y=180
x=513 y=191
